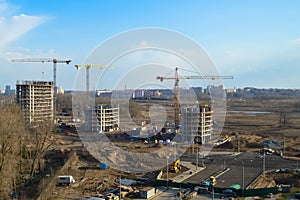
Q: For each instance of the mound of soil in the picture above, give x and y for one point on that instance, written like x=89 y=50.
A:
x=254 y=145
x=293 y=180
x=226 y=145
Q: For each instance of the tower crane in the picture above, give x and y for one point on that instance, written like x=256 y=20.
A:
x=87 y=67
x=43 y=60
x=177 y=112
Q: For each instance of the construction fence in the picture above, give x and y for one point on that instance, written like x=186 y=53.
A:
x=239 y=192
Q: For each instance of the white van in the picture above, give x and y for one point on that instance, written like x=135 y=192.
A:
x=65 y=180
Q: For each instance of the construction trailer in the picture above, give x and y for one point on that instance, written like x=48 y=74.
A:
x=147 y=192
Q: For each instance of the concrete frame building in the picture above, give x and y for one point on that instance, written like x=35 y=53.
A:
x=103 y=118
x=36 y=100
x=197 y=123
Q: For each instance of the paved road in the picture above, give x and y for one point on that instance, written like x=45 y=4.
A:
x=253 y=166
x=167 y=194
x=204 y=174
x=235 y=176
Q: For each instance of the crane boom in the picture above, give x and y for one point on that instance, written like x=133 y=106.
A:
x=194 y=77
x=94 y=66
x=42 y=60
x=177 y=112
x=87 y=67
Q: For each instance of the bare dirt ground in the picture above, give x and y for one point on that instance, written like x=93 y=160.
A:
x=276 y=119
x=271 y=179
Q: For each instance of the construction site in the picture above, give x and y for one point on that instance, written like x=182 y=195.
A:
x=93 y=178
x=255 y=154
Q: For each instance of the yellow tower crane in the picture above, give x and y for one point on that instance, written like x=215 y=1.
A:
x=43 y=60
x=177 y=113
x=87 y=67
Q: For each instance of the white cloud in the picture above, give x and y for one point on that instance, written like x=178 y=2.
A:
x=14 y=26
x=7 y=9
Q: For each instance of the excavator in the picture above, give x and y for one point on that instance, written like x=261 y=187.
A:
x=176 y=168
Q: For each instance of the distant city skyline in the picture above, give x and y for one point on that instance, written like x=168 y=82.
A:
x=258 y=42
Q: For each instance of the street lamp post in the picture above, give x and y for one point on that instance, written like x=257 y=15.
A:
x=264 y=163
x=243 y=181
x=203 y=165
x=193 y=147
x=197 y=161
x=238 y=144
x=175 y=151
x=167 y=172
x=213 y=192
x=283 y=146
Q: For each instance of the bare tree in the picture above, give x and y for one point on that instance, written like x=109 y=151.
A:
x=12 y=129
x=42 y=140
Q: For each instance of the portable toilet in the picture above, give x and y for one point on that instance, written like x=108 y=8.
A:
x=103 y=166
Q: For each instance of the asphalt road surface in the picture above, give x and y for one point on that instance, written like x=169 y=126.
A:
x=204 y=174
x=252 y=162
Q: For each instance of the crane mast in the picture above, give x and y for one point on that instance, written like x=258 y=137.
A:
x=177 y=113
x=43 y=60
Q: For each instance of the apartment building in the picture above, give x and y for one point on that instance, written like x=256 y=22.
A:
x=197 y=123
x=103 y=118
x=36 y=100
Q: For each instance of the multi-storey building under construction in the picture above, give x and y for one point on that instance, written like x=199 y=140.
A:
x=36 y=100
x=197 y=123
x=103 y=118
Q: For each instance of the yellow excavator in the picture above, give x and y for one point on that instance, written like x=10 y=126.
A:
x=176 y=168
x=213 y=180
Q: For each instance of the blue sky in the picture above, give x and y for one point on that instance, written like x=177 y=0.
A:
x=256 y=41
